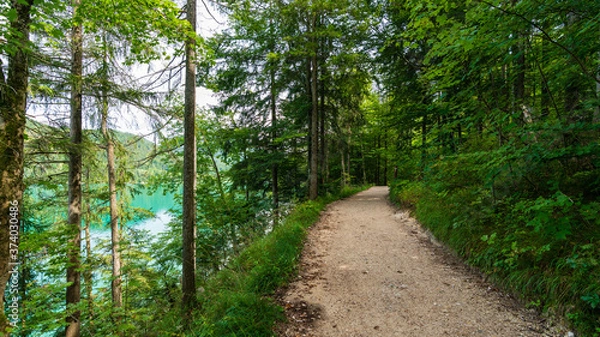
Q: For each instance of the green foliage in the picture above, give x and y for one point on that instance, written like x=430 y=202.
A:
x=499 y=113
x=485 y=112
x=544 y=248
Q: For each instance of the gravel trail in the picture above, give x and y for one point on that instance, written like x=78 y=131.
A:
x=369 y=269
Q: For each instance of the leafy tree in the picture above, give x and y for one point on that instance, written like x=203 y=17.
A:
x=506 y=104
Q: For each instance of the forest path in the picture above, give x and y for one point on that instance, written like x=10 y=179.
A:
x=369 y=269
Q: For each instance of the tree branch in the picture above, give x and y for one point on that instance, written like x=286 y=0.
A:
x=547 y=36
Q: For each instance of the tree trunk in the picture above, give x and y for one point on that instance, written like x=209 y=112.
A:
x=13 y=102
x=545 y=90
x=322 y=131
x=343 y=163
x=385 y=158
x=117 y=296
x=73 y=295
x=364 y=164
x=348 y=149
x=274 y=166
x=519 y=105
x=314 y=121
x=378 y=171
x=363 y=161
x=188 y=284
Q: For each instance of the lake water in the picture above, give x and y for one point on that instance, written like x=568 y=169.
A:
x=159 y=203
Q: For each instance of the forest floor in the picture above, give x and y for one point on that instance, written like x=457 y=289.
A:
x=369 y=269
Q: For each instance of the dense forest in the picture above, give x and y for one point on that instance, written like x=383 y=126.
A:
x=482 y=116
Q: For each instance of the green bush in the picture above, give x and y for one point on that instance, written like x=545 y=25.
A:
x=543 y=244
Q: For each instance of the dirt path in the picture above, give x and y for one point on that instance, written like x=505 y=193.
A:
x=370 y=270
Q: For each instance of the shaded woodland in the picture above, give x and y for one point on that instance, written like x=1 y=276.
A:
x=482 y=116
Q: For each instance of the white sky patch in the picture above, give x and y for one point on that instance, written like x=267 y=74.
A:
x=139 y=123
x=128 y=118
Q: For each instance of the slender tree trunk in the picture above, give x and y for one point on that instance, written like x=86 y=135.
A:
x=117 y=296
x=314 y=122
x=73 y=296
x=363 y=161
x=274 y=147
x=13 y=102
x=309 y=115
x=322 y=131
x=546 y=100
x=519 y=106
x=343 y=163
x=348 y=149
x=233 y=229
x=274 y=166
x=385 y=159
x=188 y=284
x=246 y=182
x=378 y=172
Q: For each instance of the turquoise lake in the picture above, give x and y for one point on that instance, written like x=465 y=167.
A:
x=157 y=202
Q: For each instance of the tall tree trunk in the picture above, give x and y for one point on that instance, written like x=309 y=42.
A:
x=274 y=166
x=73 y=295
x=117 y=296
x=13 y=102
x=188 y=284
x=385 y=158
x=322 y=131
x=378 y=171
x=348 y=150
x=309 y=114
x=519 y=109
x=363 y=161
x=343 y=163
x=274 y=147
x=519 y=106
x=314 y=121
x=545 y=90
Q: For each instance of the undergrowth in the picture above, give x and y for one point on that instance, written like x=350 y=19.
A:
x=543 y=245
x=235 y=302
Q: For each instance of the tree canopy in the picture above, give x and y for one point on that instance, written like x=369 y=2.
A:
x=482 y=116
